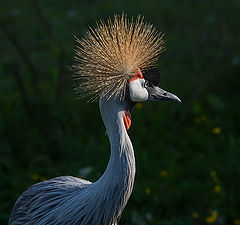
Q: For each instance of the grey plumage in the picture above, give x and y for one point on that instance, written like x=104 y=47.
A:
x=70 y=200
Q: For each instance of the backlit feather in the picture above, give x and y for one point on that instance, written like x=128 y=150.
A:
x=109 y=54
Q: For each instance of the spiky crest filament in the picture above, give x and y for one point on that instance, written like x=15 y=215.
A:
x=109 y=54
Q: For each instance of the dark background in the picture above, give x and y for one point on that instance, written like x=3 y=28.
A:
x=187 y=154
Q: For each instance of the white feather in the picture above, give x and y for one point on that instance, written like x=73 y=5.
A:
x=138 y=93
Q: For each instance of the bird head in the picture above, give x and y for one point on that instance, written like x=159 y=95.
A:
x=144 y=87
x=116 y=60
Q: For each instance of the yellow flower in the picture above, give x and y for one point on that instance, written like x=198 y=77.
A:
x=217 y=188
x=148 y=190
x=139 y=106
x=43 y=179
x=35 y=176
x=164 y=173
x=212 y=218
x=203 y=117
x=194 y=215
x=217 y=130
x=237 y=222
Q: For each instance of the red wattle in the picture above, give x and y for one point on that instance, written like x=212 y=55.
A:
x=127 y=119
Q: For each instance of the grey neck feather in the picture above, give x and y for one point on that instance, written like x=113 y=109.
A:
x=118 y=178
x=107 y=197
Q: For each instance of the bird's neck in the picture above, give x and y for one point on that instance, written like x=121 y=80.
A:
x=120 y=171
x=118 y=178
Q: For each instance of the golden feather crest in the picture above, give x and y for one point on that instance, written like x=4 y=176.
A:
x=108 y=55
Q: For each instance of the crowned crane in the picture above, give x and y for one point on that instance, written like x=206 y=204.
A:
x=115 y=64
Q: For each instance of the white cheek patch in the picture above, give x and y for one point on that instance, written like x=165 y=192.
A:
x=138 y=93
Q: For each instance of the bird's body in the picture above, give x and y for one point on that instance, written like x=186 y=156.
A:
x=33 y=206
x=71 y=200
x=109 y=62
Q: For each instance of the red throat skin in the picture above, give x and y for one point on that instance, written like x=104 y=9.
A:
x=127 y=119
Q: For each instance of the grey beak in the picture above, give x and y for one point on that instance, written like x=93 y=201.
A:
x=158 y=94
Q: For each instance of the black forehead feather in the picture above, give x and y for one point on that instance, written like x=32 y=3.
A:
x=152 y=75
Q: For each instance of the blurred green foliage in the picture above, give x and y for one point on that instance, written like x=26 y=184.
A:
x=187 y=154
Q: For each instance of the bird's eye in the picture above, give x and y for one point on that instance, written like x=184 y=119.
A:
x=146 y=84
